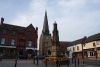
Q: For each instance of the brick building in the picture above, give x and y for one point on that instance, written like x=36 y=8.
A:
x=17 y=40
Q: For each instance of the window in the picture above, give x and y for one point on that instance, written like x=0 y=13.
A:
x=21 y=44
x=49 y=52
x=73 y=48
x=13 y=33
x=92 y=54
x=94 y=45
x=46 y=44
x=77 y=47
x=98 y=42
x=30 y=36
x=70 y=49
x=12 y=42
x=3 y=41
x=3 y=32
x=29 y=43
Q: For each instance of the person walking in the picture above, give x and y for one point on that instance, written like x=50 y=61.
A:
x=78 y=59
x=81 y=59
x=34 y=59
x=73 y=58
x=68 y=62
x=15 y=62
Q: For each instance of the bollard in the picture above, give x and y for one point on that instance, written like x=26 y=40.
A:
x=15 y=63
x=72 y=60
x=83 y=61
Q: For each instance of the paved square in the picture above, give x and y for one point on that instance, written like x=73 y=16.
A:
x=29 y=63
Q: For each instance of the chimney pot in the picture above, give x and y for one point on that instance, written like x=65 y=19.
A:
x=2 y=20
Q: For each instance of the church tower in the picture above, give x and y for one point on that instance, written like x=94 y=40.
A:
x=45 y=38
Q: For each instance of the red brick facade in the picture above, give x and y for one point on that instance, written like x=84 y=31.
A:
x=17 y=38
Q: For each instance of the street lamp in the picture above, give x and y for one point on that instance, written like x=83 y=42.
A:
x=34 y=56
x=95 y=50
x=37 y=58
x=16 y=58
x=83 y=43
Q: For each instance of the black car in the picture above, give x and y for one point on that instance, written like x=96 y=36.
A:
x=22 y=57
x=40 y=57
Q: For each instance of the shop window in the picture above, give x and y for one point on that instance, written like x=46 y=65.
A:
x=3 y=41
x=91 y=53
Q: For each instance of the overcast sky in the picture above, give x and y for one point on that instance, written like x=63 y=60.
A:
x=75 y=18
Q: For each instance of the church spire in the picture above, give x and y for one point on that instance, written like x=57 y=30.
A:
x=45 y=25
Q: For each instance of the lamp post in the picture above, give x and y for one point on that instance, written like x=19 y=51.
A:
x=95 y=50
x=37 y=58
x=16 y=58
x=34 y=55
x=83 y=43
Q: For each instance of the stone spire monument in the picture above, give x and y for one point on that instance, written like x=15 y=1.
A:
x=55 y=42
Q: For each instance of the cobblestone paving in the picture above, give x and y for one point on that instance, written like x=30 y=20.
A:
x=29 y=63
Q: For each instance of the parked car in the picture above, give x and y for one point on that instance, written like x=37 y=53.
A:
x=22 y=57
x=40 y=57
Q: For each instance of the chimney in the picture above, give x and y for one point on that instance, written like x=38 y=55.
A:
x=36 y=29
x=2 y=20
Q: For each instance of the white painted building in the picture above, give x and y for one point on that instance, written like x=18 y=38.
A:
x=91 y=47
x=76 y=47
